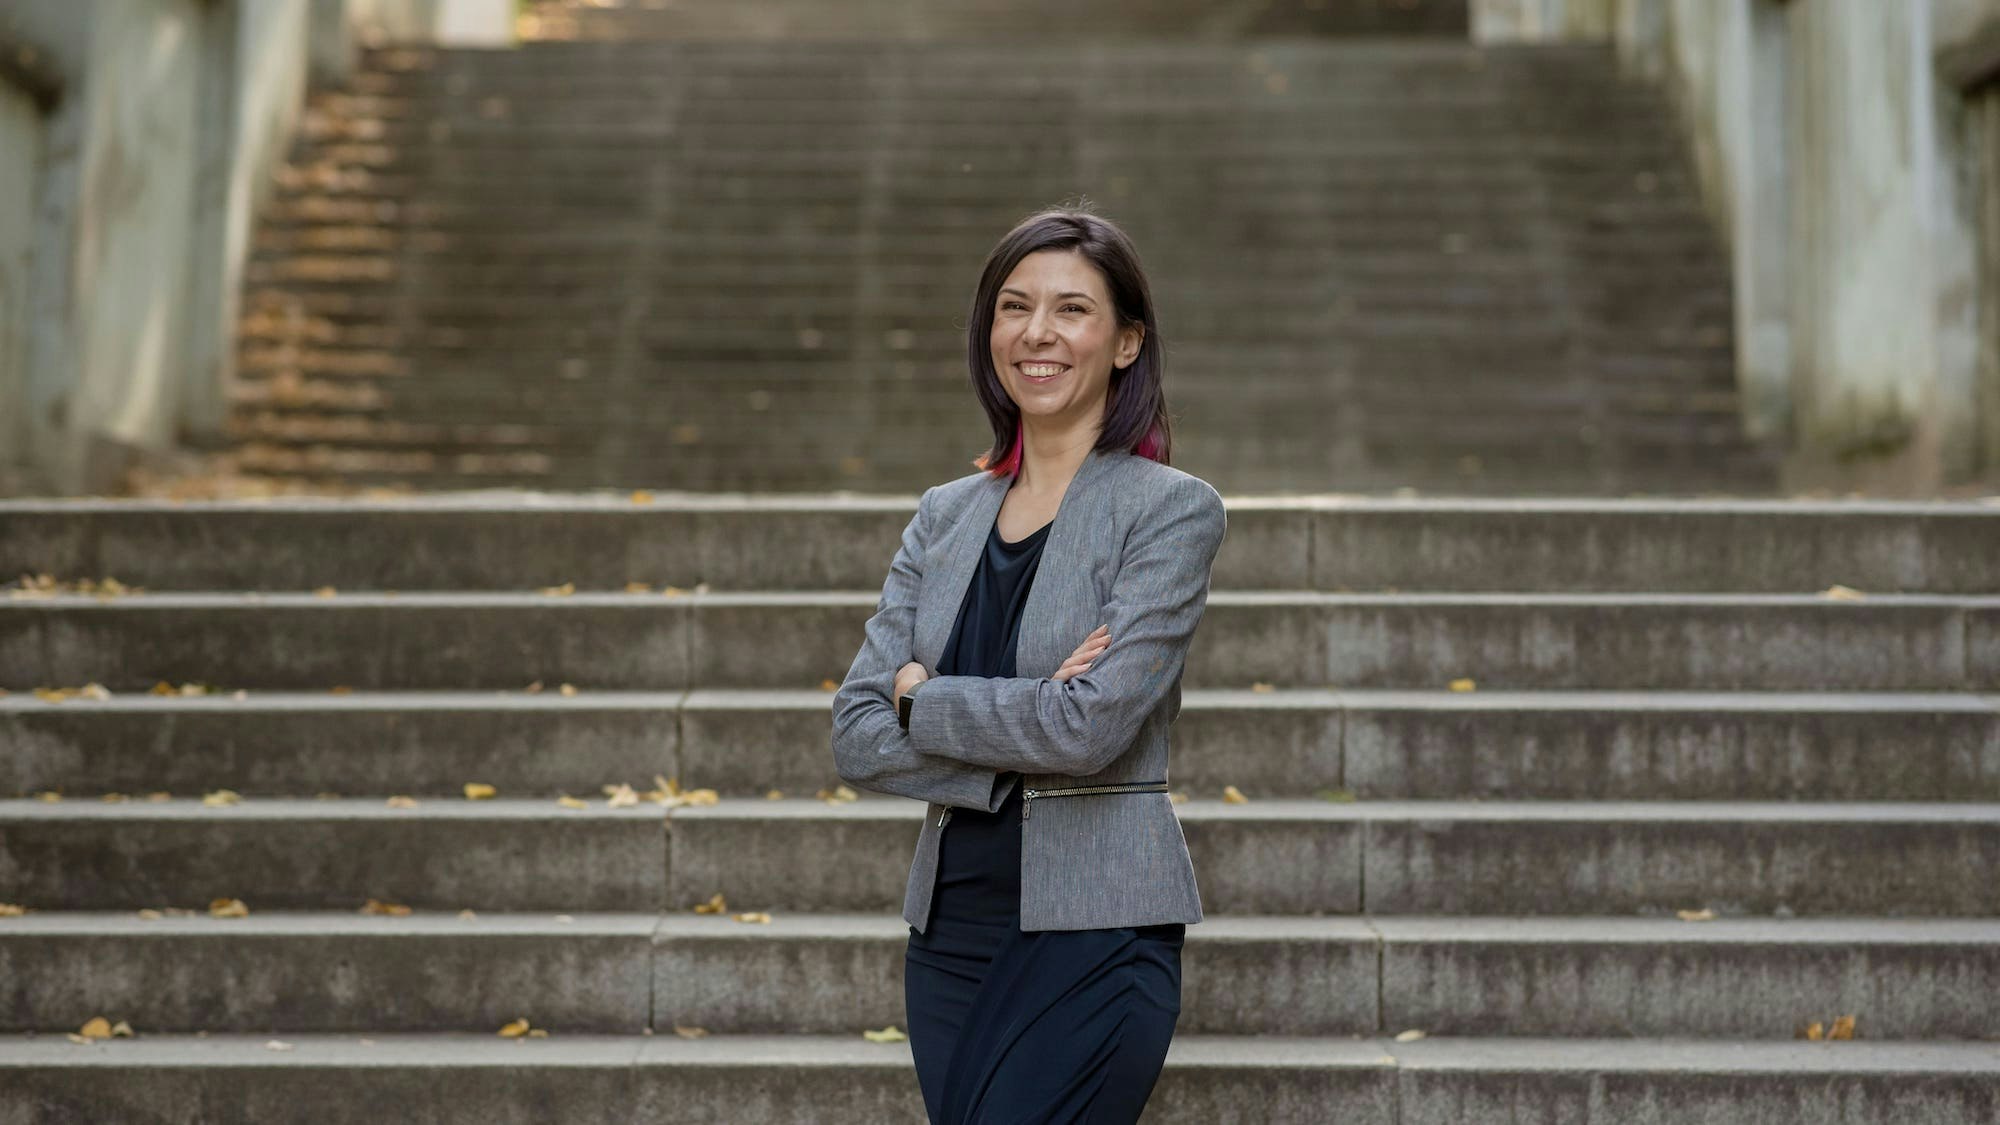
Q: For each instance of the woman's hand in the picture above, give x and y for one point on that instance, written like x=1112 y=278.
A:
x=907 y=677
x=1086 y=652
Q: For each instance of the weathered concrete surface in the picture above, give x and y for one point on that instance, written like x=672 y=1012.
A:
x=733 y=542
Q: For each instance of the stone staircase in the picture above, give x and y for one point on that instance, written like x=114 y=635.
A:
x=727 y=261
x=1671 y=714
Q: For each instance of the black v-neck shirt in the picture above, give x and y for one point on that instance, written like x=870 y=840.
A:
x=988 y=629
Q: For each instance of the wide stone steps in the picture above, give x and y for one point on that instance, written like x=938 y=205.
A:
x=917 y=20
x=1269 y=856
x=512 y=540
x=477 y=1079
x=674 y=217
x=627 y=641
x=582 y=972
x=1368 y=745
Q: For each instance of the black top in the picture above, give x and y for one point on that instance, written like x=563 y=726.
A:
x=983 y=640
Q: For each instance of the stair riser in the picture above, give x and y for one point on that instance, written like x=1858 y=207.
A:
x=1502 y=752
x=637 y=642
x=817 y=545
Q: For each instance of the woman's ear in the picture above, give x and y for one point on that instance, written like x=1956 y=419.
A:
x=1130 y=339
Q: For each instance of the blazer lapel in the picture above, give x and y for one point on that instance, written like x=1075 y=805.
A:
x=965 y=541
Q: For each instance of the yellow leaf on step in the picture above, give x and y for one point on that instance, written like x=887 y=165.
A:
x=400 y=802
x=221 y=797
x=774 y=795
x=1702 y=915
x=478 y=791
x=1841 y=593
x=1843 y=1028
x=890 y=1034
x=1261 y=687
x=1463 y=685
x=515 y=1030
x=714 y=905
x=758 y=916
x=569 y=802
x=641 y=496
x=123 y=1030
x=393 y=909
x=97 y=1028
x=1233 y=796
x=228 y=908
x=690 y=1032
x=1409 y=1036
x=1815 y=1030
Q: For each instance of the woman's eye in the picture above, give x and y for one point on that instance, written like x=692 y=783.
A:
x=1078 y=308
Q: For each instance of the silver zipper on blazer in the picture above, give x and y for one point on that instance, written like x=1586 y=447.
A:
x=1028 y=795
x=944 y=816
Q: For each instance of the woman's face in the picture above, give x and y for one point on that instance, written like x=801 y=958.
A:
x=1056 y=337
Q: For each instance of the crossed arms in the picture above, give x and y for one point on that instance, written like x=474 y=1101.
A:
x=966 y=730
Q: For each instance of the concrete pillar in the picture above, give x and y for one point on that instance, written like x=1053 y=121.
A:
x=1866 y=290
x=21 y=148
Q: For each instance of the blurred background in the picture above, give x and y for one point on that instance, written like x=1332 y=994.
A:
x=1517 y=247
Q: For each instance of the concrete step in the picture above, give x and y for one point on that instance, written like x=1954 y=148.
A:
x=1272 y=856
x=1278 y=856
x=477 y=1079
x=1572 y=746
x=621 y=641
x=839 y=973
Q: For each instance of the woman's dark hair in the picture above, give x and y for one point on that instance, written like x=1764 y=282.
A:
x=1135 y=412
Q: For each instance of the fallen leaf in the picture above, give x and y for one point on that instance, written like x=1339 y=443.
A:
x=515 y=1029
x=394 y=909
x=715 y=905
x=838 y=795
x=221 y=797
x=690 y=1032
x=48 y=796
x=758 y=916
x=276 y=1045
x=1261 y=687
x=828 y=685
x=96 y=1028
x=12 y=910
x=1841 y=593
x=123 y=1030
x=1463 y=685
x=562 y=591
x=228 y=908
x=1177 y=798
x=890 y=1034
x=638 y=587
x=641 y=496
x=1409 y=1036
x=620 y=796
x=340 y=689
x=1843 y=1028
x=400 y=802
x=774 y=795
x=567 y=689
x=1233 y=796
x=325 y=592
x=467 y=914
x=1702 y=915
x=1815 y=1030
x=534 y=688
x=479 y=791
x=569 y=802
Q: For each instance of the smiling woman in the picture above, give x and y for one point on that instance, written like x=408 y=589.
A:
x=1062 y=321
x=1029 y=645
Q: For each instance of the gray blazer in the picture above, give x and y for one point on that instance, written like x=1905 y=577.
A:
x=1131 y=548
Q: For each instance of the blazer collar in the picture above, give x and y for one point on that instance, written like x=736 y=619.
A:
x=966 y=541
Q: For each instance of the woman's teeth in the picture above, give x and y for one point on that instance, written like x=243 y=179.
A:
x=1041 y=370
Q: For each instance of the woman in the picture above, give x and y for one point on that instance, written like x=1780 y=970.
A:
x=1019 y=674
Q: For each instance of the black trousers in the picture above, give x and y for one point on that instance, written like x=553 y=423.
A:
x=1030 y=1028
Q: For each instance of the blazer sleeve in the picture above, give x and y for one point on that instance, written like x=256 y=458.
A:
x=870 y=748
x=1080 y=726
